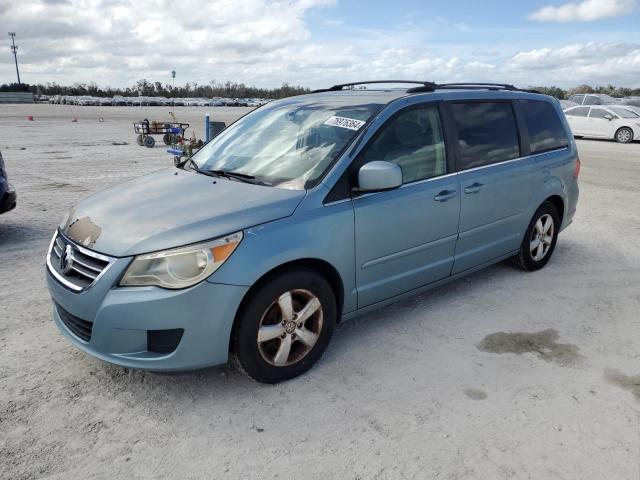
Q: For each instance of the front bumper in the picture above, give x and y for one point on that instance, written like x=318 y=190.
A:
x=8 y=200
x=121 y=318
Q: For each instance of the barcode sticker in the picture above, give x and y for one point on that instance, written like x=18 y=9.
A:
x=343 y=122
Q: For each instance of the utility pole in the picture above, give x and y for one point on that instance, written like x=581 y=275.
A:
x=14 y=49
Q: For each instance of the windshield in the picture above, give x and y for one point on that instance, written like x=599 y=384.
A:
x=289 y=143
x=623 y=112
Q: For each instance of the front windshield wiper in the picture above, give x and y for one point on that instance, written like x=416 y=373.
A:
x=232 y=174
x=243 y=177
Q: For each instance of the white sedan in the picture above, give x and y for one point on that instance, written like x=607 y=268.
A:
x=610 y=121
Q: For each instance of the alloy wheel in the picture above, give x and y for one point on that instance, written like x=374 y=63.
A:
x=624 y=135
x=542 y=237
x=290 y=327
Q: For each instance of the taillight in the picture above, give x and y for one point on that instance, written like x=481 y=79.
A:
x=576 y=172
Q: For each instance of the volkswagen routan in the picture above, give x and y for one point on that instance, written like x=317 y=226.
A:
x=309 y=211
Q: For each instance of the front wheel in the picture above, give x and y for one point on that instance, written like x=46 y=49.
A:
x=149 y=142
x=540 y=238
x=285 y=326
x=624 y=135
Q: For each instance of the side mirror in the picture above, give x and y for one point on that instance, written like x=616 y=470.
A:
x=379 y=175
x=608 y=117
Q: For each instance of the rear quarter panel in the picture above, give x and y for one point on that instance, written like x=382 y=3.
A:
x=555 y=173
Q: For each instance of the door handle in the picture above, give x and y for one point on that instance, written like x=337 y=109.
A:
x=473 y=188
x=445 y=195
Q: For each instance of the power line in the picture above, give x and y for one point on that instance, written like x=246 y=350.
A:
x=14 y=49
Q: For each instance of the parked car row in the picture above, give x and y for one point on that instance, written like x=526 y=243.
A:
x=602 y=99
x=119 y=100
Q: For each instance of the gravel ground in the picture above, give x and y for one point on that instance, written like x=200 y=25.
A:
x=499 y=375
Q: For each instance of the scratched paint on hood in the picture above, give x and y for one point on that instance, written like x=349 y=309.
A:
x=84 y=231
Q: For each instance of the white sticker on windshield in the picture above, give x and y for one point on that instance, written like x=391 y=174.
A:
x=343 y=122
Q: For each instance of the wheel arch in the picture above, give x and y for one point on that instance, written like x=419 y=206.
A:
x=558 y=202
x=324 y=268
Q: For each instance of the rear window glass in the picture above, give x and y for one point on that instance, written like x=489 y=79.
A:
x=546 y=131
x=487 y=133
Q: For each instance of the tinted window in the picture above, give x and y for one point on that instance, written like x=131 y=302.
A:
x=578 y=112
x=599 y=113
x=414 y=141
x=487 y=133
x=576 y=98
x=546 y=131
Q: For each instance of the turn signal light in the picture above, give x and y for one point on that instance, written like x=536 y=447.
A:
x=577 y=170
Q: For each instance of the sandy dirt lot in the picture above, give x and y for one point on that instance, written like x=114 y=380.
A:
x=499 y=375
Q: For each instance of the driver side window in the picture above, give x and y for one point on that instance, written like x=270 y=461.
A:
x=414 y=140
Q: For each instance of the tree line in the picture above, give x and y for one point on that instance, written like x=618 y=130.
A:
x=230 y=89
x=611 y=90
x=158 y=89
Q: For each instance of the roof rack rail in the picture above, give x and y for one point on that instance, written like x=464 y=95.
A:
x=472 y=86
x=426 y=86
x=335 y=88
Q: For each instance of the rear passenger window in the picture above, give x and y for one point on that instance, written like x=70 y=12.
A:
x=599 y=113
x=577 y=112
x=414 y=141
x=546 y=131
x=487 y=133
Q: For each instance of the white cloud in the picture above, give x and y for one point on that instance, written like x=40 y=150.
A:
x=268 y=42
x=585 y=11
x=247 y=41
x=592 y=62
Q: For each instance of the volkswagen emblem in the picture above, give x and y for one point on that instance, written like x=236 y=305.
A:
x=66 y=260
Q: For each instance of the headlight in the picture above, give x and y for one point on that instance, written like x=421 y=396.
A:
x=180 y=267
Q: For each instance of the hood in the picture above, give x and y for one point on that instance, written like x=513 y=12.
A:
x=172 y=208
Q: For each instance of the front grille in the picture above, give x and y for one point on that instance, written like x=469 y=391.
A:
x=80 y=268
x=80 y=328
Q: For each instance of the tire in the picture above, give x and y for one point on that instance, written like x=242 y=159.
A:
x=624 y=135
x=269 y=360
x=140 y=140
x=167 y=139
x=530 y=257
x=149 y=142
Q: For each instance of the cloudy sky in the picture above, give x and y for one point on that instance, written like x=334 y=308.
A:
x=322 y=42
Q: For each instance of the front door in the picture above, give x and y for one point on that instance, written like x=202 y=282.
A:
x=598 y=125
x=405 y=238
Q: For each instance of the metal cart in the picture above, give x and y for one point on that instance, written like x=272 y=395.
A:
x=171 y=132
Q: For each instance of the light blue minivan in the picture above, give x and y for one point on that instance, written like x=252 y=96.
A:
x=308 y=211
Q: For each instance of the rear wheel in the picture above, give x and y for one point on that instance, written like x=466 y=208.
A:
x=140 y=140
x=540 y=238
x=285 y=326
x=149 y=142
x=167 y=139
x=624 y=135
